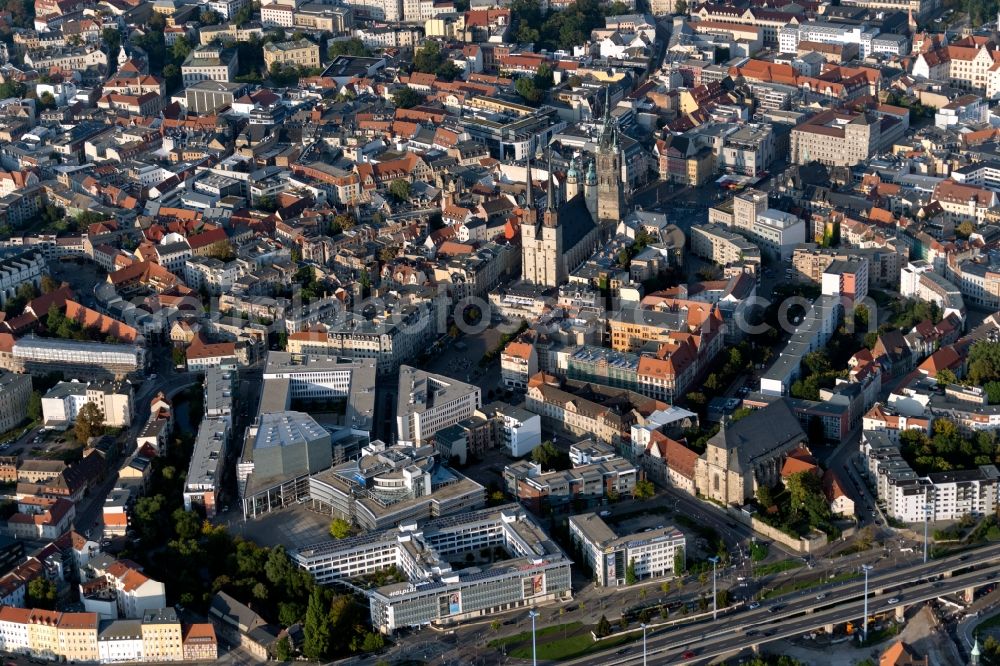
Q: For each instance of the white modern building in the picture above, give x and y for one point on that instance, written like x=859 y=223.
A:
x=534 y=571
x=428 y=402
x=651 y=554
x=388 y=485
x=777 y=233
x=62 y=403
x=520 y=430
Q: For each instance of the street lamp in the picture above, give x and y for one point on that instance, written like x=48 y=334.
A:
x=715 y=600
x=927 y=517
x=534 y=656
x=864 y=622
x=643 y=625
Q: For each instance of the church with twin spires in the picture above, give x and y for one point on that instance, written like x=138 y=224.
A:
x=570 y=230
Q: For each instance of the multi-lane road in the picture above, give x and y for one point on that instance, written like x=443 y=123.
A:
x=799 y=613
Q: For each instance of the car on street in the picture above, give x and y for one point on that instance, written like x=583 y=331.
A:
x=688 y=654
x=894 y=600
x=775 y=608
x=821 y=596
x=754 y=605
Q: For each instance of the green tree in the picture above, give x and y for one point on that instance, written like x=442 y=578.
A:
x=407 y=98
x=11 y=88
x=765 y=497
x=180 y=49
x=644 y=490
x=187 y=524
x=680 y=563
x=946 y=376
x=550 y=458
x=373 y=642
x=209 y=17
x=722 y=598
x=89 y=422
x=630 y=577
x=400 y=189
x=316 y=627
x=603 y=628
x=428 y=58
x=49 y=284
x=41 y=593
x=965 y=229
x=525 y=87
x=681 y=7
x=340 y=528
x=283 y=649
x=35 y=406
x=350 y=47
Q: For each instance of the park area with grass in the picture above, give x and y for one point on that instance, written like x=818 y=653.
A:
x=777 y=567
x=558 y=642
x=808 y=583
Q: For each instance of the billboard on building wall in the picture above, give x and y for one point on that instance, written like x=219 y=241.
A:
x=538 y=584
x=455 y=603
x=609 y=567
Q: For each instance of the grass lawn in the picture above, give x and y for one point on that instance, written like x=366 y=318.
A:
x=778 y=567
x=562 y=641
x=525 y=636
x=571 y=647
x=800 y=585
x=989 y=623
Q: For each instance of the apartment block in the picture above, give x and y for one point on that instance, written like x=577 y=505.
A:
x=15 y=392
x=909 y=497
x=718 y=244
x=20 y=269
x=62 y=403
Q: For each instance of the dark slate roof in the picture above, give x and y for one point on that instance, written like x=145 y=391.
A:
x=763 y=433
x=575 y=220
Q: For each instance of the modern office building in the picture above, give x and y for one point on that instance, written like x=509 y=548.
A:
x=391 y=484
x=312 y=378
x=208 y=97
x=536 y=572
x=281 y=451
x=651 y=554
x=428 y=402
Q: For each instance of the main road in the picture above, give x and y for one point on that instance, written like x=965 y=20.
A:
x=801 y=612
